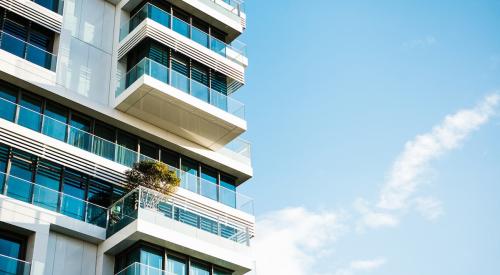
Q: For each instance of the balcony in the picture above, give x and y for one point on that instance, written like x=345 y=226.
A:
x=13 y=266
x=52 y=200
x=47 y=13
x=168 y=99
x=236 y=51
x=156 y=208
x=124 y=156
x=27 y=51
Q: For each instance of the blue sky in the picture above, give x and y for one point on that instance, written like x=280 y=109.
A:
x=335 y=89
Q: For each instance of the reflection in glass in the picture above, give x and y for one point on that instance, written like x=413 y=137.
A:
x=29 y=113
x=176 y=266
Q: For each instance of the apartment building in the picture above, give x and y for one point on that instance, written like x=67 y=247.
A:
x=90 y=87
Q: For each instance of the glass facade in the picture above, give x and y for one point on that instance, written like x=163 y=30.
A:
x=46 y=184
x=26 y=39
x=12 y=254
x=152 y=259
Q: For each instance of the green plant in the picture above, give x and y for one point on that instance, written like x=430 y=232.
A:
x=154 y=175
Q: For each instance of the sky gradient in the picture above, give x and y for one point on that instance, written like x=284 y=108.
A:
x=337 y=92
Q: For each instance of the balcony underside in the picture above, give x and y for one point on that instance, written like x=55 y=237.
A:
x=180 y=113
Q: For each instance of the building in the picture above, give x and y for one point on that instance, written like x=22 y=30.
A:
x=90 y=87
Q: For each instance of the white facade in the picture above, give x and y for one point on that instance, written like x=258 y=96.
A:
x=63 y=229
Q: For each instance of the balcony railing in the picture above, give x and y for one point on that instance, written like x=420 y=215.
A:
x=142 y=269
x=177 y=80
x=25 y=50
x=13 y=266
x=233 y=51
x=126 y=210
x=53 y=200
x=117 y=153
x=234 y=6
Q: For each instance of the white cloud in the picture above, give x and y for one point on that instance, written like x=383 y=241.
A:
x=361 y=266
x=290 y=241
x=293 y=240
x=418 y=153
x=420 y=42
x=429 y=207
x=373 y=219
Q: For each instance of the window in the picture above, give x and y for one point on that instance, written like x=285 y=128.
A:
x=181 y=23
x=218 y=83
x=208 y=185
x=99 y=197
x=4 y=157
x=55 y=121
x=220 y=271
x=79 y=132
x=200 y=32
x=12 y=248
x=189 y=177
x=103 y=144
x=149 y=150
x=46 y=190
x=74 y=187
x=180 y=72
x=49 y=4
x=176 y=265
x=199 y=83
x=227 y=190
x=29 y=112
x=126 y=153
x=198 y=269
x=21 y=176
x=8 y=99
x=170 y=158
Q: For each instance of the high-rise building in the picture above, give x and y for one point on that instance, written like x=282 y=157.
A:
x=89 y=88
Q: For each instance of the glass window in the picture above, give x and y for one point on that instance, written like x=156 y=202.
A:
x=198 y=269
x=181 y=23
x=176 y=265
x=14 y=35
x=220 y=271
x=170 y=158
x=74 y=194
x=227 y=190
x=79 y=132
x=38 y=50
x=151 y=257
x=46 y=190
x=99 y=198
x=103 y=144
x=200 y=32
x=49 y=4
x=126 y=153
x=149 y=150
x=29 y=112
x=21 y=175
x=55 y=121
x=4 y=155
x=189 y=177
x=8 y=99
x=180 y=73
x=208 y=185
x=199 y=82
x=12 y=248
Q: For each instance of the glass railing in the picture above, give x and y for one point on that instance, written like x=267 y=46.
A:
x=13 y=266
x=117 y=153
x=238 y=149
x=235 y=7
x=125 y=211
x=142 y=269
x=25 y=50
x=162 y=73
x=232 y=51
x=53 y=200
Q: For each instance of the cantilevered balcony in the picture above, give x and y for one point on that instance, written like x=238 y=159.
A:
x=170 y=100
x=191 y=228
x=236 y=51
x=237 y=150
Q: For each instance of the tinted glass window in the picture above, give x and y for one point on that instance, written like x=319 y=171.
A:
x=8 y=98
x=170 y=158
x=54 y=124
x=198 y=269
x=29 y=113
x=103 y=145
x=176 y=265
x=74 y=194
x=79 y=132
x=21 y=173
x=46 y=190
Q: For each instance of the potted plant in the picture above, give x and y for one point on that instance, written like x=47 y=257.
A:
x=155 y=176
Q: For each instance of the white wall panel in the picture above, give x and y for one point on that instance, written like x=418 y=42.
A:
x=67 y=255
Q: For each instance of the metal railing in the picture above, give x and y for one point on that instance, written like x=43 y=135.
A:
x=142 y=269
x=27 y=51
x=13 y=266
x=233 y=51
x=66 y=133
x=125 y=211
x=177 y=80
x=53 y=200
